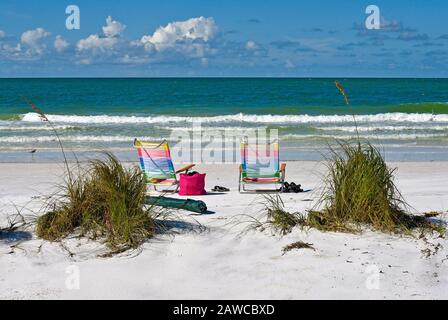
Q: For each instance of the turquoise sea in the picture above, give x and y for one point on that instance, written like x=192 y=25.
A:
x=406 y=117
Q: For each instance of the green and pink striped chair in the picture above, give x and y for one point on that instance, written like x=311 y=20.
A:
x=156 y=164
x=260 y=165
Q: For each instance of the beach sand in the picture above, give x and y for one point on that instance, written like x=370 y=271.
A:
x=223 y=261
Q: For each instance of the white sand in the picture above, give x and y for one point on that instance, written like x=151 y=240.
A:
x=222 y=263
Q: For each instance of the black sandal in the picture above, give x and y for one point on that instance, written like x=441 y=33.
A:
x=286 y=187
x=220 y=189
x=296 y=187
x=291 y=187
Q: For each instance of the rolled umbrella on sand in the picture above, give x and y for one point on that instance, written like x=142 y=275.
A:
x=186 y=204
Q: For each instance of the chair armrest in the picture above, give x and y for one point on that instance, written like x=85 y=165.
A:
x=283 y=167
x=241 y=168
x=186 y=168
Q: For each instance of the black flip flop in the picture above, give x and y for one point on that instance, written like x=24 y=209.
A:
x=220 y=189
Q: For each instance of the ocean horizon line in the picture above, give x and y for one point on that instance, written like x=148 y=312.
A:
x=228 y=77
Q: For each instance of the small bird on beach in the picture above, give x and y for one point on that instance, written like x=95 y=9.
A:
x=32 y=153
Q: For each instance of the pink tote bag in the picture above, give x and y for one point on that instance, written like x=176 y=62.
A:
x=193 y=185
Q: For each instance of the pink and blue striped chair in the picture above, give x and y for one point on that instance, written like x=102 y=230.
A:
x=156 y=164
x=260 y=164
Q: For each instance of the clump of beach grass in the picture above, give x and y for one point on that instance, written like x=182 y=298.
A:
x=297 y=245
x=280 y=219
x=105 y=200
x=359 y=191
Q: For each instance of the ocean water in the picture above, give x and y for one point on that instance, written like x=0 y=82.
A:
x=408 y=118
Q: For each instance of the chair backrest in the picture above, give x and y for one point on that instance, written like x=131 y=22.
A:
x=260 y=160
x=155 y=161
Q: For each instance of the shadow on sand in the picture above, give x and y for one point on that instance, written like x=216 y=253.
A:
x=176 y=226
x=11 y=237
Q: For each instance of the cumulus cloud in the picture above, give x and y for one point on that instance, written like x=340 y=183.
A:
x=10 y=51
x=113 y=28
x=190 y=37
x=60 y=44
x=176 y=41
x=105 y=42
x=129 y=59
x=251 y=45
x=189 y=42
x=197 y=39
x=32 y=40
x=254 y=49
x=96 y=43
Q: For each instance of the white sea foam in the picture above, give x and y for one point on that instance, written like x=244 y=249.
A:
x=74 y=138
x=383 y=128
x=118 y=138
x=36 y=128
x=366 y=136
x=211 y=128
x=354 y=129
x=396 y=117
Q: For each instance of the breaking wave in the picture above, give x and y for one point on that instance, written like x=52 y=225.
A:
x=395 y=117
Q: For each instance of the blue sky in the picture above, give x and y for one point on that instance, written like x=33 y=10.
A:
x=225 y=38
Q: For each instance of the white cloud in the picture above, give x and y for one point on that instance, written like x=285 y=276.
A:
x=251 y=45
x=32 y=39
x=253 y=49
x=113 y=28
x=105 y=42
x=96 y=44
x=10 y=51
x=177 y=43
x=85 y=61
x=189 y=37
x=60 y=44
x=2 y=34
x=128 y=59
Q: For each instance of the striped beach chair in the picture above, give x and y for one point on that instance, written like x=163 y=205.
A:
x=260 y=164
x=157 y=166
